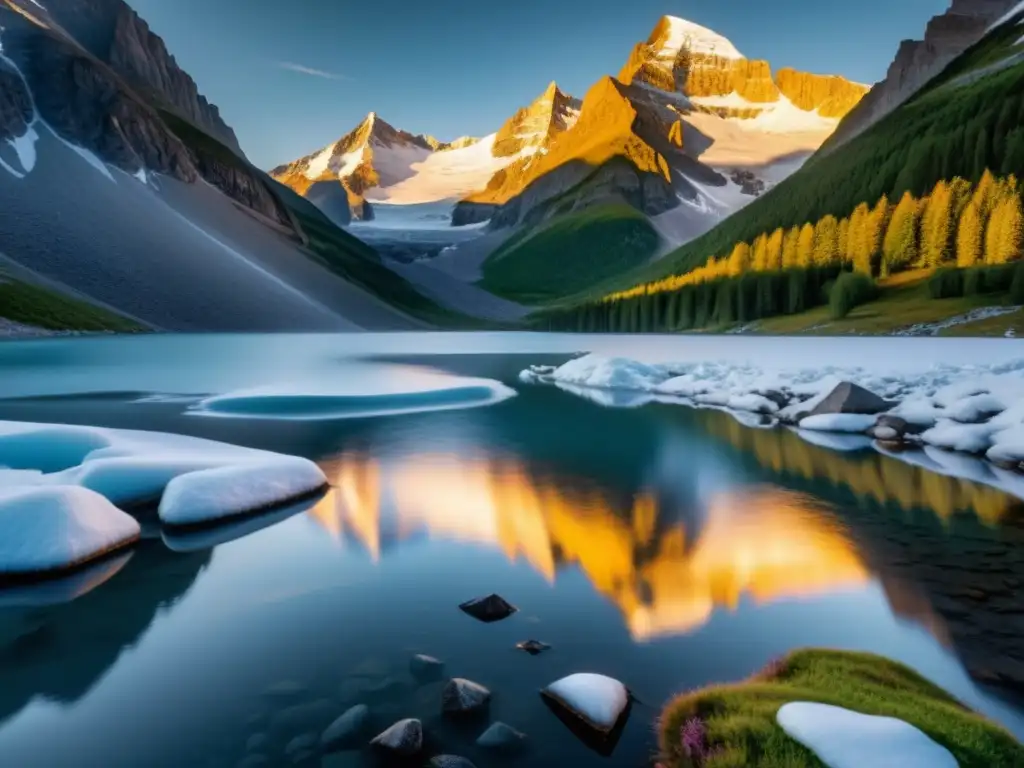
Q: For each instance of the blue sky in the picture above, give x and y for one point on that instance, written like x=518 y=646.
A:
x=292 y=76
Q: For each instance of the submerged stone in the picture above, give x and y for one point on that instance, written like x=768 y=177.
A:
x=258 y=742
x=489 y=609
x=449 y=761
x=462 y=697
x=253 y=761
x=502 y=738
x=347 y=731
x=286 y=690
x=404 y=738
x=304 y=743
x=426 y=668
x=533 y=647
x=302 y=718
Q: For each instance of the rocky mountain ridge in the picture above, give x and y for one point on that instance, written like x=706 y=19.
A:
x=918 y=61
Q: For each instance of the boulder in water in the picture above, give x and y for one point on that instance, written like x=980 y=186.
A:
x=502 y=738
x=533 y=647
x=594 y=707
x=348 y=730
x=464 y=697
x=489 y=609
x=848 y=397
x=404 y=738
x=302 y=718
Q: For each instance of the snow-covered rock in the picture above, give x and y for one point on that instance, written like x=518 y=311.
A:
x=975 y=409
x=852 y=423
x=213 y=494
x=849 y=398
x=842 y=738
x=461 y=697
x=596 y=699
x=404 y=738
x=425 y=668
x=45 y=529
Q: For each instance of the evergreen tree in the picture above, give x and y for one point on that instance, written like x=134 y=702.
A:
x=900 y=247
x=790 y=248
x=968 y=237
x=739 y=260
x=937 y=226
x=826 y=242
x=1013 y=156
x=805 y=246
x=775 y=249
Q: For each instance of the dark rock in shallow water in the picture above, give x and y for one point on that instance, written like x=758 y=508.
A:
x=848 y=397
x=502 y=738
x=302 y=718
x=488 y=609
x=404 y=738
x=348 y=730
x=449 y=761
x=464 y=697
x=533 y=647
x=307 y=742
x=385 y=690
x=426 y=668
x=258 y=742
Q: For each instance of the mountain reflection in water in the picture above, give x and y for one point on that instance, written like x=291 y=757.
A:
x=760 y=541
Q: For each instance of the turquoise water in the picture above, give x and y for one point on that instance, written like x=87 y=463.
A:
x=666 y=547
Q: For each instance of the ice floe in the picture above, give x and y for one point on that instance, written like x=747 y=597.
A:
x=842 y=738
x=63 y=488
x=411 y=391
x=975 y=409
x=49 y=528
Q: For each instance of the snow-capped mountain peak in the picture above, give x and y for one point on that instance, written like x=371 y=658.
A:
x=672 y=33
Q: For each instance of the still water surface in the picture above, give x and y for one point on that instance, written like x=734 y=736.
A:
x=666 y=547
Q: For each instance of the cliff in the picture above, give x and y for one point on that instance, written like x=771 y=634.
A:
x=552 y=113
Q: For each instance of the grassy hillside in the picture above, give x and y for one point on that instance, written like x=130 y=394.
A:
x=968 y=119
x=328 y=244
x=42 y=308
x=570 y=254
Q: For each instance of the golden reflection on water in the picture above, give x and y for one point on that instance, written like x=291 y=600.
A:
x=869 y=475
x=761 y=541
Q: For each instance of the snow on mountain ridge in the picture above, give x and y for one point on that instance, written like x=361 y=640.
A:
x=700 y=40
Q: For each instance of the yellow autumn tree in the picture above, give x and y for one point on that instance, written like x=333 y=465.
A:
x=805 y=246
x=739 y=259
x=900 y=247
x=790 y=248
x=875 y=227
x=937 y=226
x=969 y=237
x=759 y=253
x=856 y=237
x=1003 y=236
x=774 y=256
x=844 y=239
x=826 y=241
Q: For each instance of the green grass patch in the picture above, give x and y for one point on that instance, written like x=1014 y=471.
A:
x=43 y=308
x=570 y=254
x=742 y=731
x=200 y=141
x=902 y=301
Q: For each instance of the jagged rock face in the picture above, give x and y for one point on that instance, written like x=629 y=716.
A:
x=15 y=104
x=112 y=32
x=552 y=113
x=918 y=61
x=683 y=57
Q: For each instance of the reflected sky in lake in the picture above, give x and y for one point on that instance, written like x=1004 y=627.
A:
x=669 y=548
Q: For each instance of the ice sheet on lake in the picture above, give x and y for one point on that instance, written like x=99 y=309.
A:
x=975 y=409
x=387 y=390
x=193 y=479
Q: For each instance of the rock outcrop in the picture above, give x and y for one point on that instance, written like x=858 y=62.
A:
x=115 y=34
x=552 y=113
x=918 y=61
